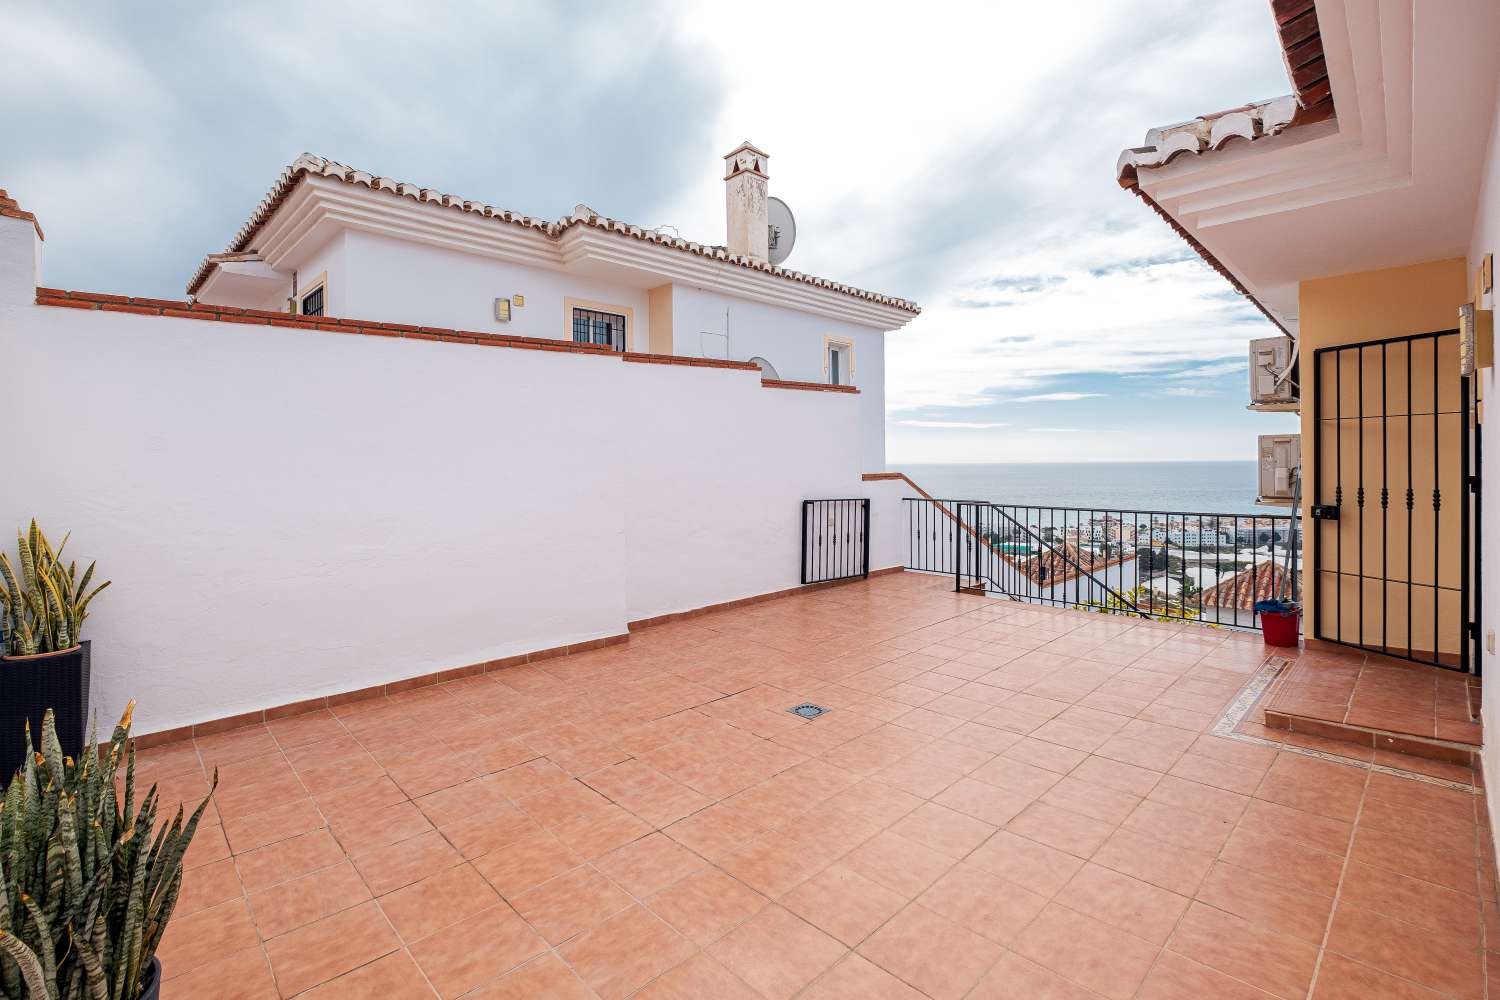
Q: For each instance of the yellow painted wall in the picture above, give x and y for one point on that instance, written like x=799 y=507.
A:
x=659 y=301
x=1370 y=306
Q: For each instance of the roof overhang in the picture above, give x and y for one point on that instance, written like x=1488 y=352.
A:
x=316 y=199
x=1392 y=180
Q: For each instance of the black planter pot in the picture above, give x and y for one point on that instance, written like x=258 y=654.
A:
x=29 y=685
x=151 y=981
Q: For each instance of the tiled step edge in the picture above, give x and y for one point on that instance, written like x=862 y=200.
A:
x=1415 y=746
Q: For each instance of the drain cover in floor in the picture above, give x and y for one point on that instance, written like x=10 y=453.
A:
x=808 y=711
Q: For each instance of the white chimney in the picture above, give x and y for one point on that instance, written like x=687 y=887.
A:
x=745 y=176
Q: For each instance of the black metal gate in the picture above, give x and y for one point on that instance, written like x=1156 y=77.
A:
x=1395 y=462
x=835 y=540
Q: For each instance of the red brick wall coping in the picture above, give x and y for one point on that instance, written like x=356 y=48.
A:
x=136 y=305
x=11 y=209
x=781 y=383
x=396 y=687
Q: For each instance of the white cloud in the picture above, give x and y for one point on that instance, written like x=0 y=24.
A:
x=1056 y=397
x=1054 y=430
x=958 y=424
x=1188 y=391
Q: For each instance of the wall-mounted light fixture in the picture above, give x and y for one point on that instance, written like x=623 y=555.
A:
x=1476 y=338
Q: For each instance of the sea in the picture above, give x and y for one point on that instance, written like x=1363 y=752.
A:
x=1197 y=487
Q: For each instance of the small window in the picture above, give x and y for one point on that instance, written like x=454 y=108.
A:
x=590 y=326
x=839 y=364
x=312 y=302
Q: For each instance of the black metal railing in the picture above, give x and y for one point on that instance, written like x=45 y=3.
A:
x=835 y=540
x=1183 y=565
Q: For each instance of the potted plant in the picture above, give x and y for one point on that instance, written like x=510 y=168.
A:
x=87 y=881
x=44 y=663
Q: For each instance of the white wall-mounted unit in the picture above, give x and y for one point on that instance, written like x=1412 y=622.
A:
x=1280 y=461
x=1272 y=385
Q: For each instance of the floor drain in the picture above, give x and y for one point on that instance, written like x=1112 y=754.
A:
x=808 y=711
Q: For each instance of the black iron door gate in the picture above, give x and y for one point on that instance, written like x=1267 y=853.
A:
x=1395 y=516
x=835 y=539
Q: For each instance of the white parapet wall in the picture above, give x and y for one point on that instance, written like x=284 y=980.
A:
x=288 y=513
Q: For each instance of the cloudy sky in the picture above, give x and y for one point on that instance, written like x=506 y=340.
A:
x=959 y=155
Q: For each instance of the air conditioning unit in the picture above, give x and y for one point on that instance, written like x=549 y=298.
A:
x=1280 y=464
x=1270 y=357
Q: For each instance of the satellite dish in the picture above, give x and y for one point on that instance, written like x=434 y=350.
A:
x=782 y=230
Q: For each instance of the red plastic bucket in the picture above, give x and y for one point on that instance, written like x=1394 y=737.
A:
x=1279 y=628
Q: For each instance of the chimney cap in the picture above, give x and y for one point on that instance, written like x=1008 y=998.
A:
x=746 y=146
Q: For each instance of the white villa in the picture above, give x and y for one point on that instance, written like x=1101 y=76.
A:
x=332 y=240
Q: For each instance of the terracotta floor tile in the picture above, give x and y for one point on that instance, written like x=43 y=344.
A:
x=287 y=859
x=1017 y=978
x=1322 y=832
x=1017 y=776
x=1340 y=978
x=625 y=952
x=1117 y=775
x=856 y=978
x=934 y=954
x=897 y=863
x=1413 y=901
x=570 y=903
x=1087 y=952
x=777 y=953
x=1174 y=824
x=394 y=977
x=529 y=861
x=245 y=975
x=1218 y=773
x=698 y=978
x=386 y=869
x=1296 y=864
x=1088 y=799
x=290 y=905
x=1195 y=796
x=330 y=947
x=476 y=950
x=1035 y=866
x=1067 y=831
x=1422 y=859
x=545 y=976
x=1328 y=789
x=1125 y=903
x=207 y=936
x=1274 y=962
x=593 y=837
x=984 y=903
x=208 y=885
x=1435 y=960
x=1176 y=978
x=451 y=895
x=649 y=865
x=942 y=829
x=246 y=833
x=1267 y=901
x=996 y=806
x=1177 y=869
x=705 y=906
x=844 y=903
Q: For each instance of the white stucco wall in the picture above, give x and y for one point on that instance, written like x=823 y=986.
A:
x=793 y=342
x=287 y=514
x=401 y=282
x=1486 y=239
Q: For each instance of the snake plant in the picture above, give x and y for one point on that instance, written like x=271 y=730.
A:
x=44 y=603
x=87 y=881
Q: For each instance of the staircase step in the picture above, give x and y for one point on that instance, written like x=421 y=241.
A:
x=1415 y=746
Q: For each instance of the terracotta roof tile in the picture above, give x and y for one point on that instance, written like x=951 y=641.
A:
x=310 y=165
